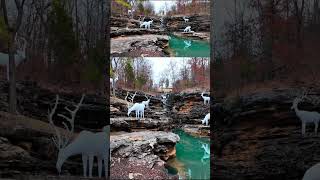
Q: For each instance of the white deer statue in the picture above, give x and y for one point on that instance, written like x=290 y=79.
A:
x=146 y=103
x=306 y=117
x=19 y=56
x=187 y=29
x=206 y=119
x=137 y=107
x=146 y=24
x=312 y=173
x=129 y=12
x=206 y=99
x=87 y=143
x=185 y=19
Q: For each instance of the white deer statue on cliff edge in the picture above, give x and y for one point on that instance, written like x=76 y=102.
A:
x=146 y=24
x=185 y=19
x=187 y=29
x=146 y=103
x=87 y=144
x=305 y=116
x=137 y=107
x=206 y=119
x=206 y=99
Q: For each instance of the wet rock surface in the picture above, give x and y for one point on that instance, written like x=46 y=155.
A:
x=258 y=136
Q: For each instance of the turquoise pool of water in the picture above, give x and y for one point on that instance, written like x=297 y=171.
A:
x=191 y=162
x=182 y=47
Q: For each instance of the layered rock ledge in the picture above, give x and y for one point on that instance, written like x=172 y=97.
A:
x=142 y=154
x=258 y=136
x=144 y=45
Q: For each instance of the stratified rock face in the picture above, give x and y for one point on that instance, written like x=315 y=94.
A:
x=141 y=144
x=258 y=136
x=184 y=108
x=34 y=101
x=188 y=108
x=197 y=23
x=144 y=150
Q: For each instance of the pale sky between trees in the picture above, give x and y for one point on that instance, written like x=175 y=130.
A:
x=161 y=64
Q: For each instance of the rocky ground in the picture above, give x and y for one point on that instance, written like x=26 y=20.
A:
x=148 y=143
x=142 y=154
x=150 y=44
x=258 y=136
x=194 y=35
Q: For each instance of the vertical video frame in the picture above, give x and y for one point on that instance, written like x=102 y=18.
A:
x=53 y=105
x=160 y=89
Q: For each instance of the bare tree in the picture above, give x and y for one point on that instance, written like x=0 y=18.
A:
x=13 y=26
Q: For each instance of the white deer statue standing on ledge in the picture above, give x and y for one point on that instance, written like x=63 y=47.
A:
x=185 y=19
x=206 y=119
x=137 y=107
x=146 y=103
x=87 y=143
x=306 y=116
x=146 y=24
x=206 y=99
x=187 y=29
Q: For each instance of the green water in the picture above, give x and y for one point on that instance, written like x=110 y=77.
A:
x=190 y=162
x=181 y=47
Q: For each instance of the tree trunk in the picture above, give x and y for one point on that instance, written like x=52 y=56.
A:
x=12 y=76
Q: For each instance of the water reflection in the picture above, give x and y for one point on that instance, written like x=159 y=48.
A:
x=193 y=157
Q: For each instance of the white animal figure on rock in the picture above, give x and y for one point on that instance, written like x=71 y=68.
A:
x=138 y=108
x=129 y=12
x=185 y=19
x=146 y=24
x=187 y=29
x=19 y=56
x=312 y=173
x=306 y=116
x=206 y=99
x=146 y=103
x=206 y=119
x=87 y=144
